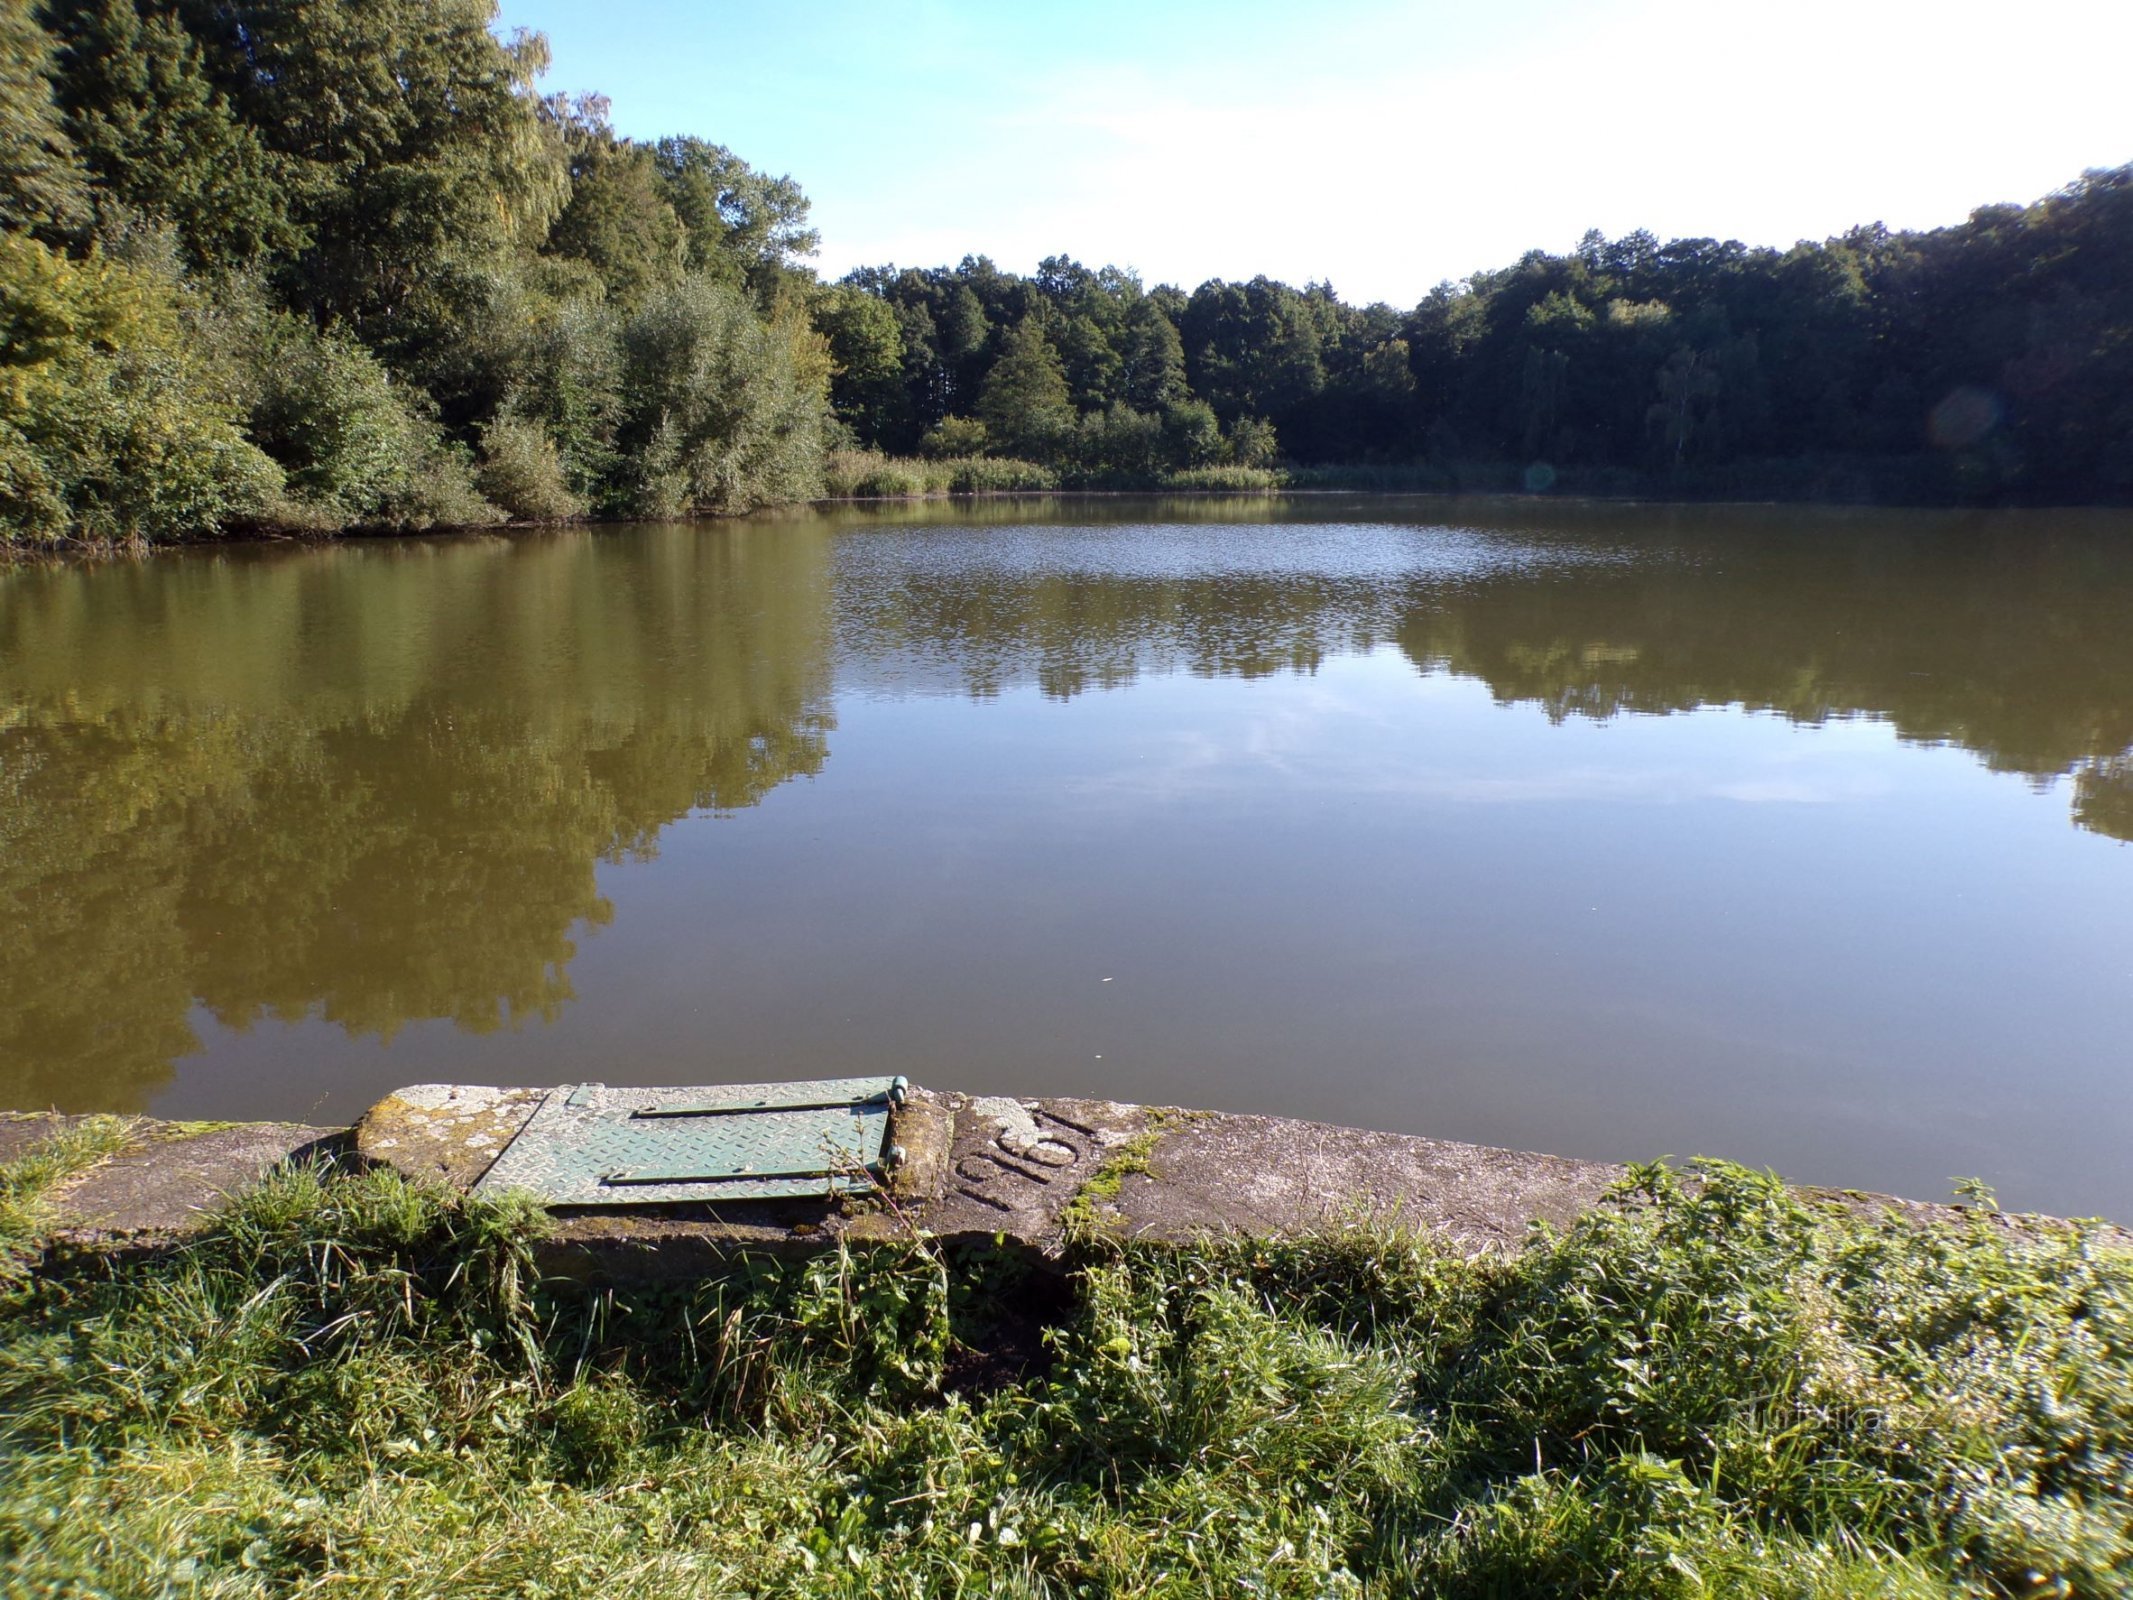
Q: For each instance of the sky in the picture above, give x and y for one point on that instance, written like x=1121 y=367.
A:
x=1381 y=147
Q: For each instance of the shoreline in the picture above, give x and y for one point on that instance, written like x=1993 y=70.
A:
x=1040 y=1174
x=349 y=1376
x=82 y=552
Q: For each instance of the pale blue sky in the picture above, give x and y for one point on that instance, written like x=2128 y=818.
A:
x=1381 y=146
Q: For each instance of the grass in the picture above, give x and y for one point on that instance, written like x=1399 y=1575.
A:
x=28 y=1182
x=1086 y=1218
x=356 y=1386
x=870 y=475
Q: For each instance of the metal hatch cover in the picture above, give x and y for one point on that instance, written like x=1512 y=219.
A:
x=590 y=1145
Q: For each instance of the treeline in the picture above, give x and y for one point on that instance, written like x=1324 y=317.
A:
x=1991 y=359
x=343 y=265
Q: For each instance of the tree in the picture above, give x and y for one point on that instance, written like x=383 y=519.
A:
x=1025 y=405
x=867 y=347
x=618 y=218
x=1153 y=370
x=42 y=185
x=164 y=144
x=416 y=150
x=724 y=411
x=744 y=227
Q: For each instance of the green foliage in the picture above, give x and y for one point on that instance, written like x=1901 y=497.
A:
x=1979 y=361
x=743 y=227
x=867 y=348
x=42 y=185
x=556 y=359
x=998 y=475
x=1025 y=406
x=522 y=471
x=1224 y=479
x=723 y=411
x=111 y=427
x=954 y=437
x=1192 y=436
x=386 y=174
x=355 y=447
x=869 y=475
x=1252 y=442
x=164 y=144
x=618 y=218
x=1710 y=1387
x=414 y=148
x=1152 y=362
x=415 y=278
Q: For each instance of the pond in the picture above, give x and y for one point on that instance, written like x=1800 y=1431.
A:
x=1793 y=836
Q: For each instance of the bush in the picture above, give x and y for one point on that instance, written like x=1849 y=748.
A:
x=1252 y=442
x=952 y=438
x=724 y=412
x=1226 y=479
x=1192 y=437
x=1116 y=446
x=357 y=449
x=112 y=427
x=554 y=359
x=870 y=475
x=999 y=475
x=522 y=471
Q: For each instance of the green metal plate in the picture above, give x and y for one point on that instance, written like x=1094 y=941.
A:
x=589 y=1145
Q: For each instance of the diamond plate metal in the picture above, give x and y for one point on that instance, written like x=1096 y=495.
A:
x=589 y=1145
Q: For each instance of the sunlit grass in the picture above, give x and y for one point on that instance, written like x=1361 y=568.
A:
x=28 y=1182
x=354 y=1385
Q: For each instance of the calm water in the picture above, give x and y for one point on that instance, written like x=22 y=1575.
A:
x=1791 y=836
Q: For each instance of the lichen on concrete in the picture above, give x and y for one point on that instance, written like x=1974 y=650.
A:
x=452 y=1131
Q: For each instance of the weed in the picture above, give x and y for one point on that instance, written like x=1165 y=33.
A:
x=352 y=1384
x=1085 y=1220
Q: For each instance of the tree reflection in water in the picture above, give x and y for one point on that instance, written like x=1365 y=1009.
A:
x=368 y=784
x=373 y=783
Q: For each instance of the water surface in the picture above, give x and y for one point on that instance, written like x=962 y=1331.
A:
x=1792 y=836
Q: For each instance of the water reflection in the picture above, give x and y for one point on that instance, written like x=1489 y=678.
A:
x=367 y=784
x=373 y=784
x=2002 y=633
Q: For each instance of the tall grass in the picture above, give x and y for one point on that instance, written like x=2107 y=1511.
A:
x=354 y=1386
x=869 y=475
x=1225 y=479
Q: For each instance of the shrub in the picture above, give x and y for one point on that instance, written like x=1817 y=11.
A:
x=870 y=475
x=999 y=475
x=1191 y=435
x=356 y=447
x=1117 y=445
x=954 y=437
x=522 y=471
x=112 y=427
x=556 y=361
x=1252 y=442
x=1226 y=479
x=724 y=412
